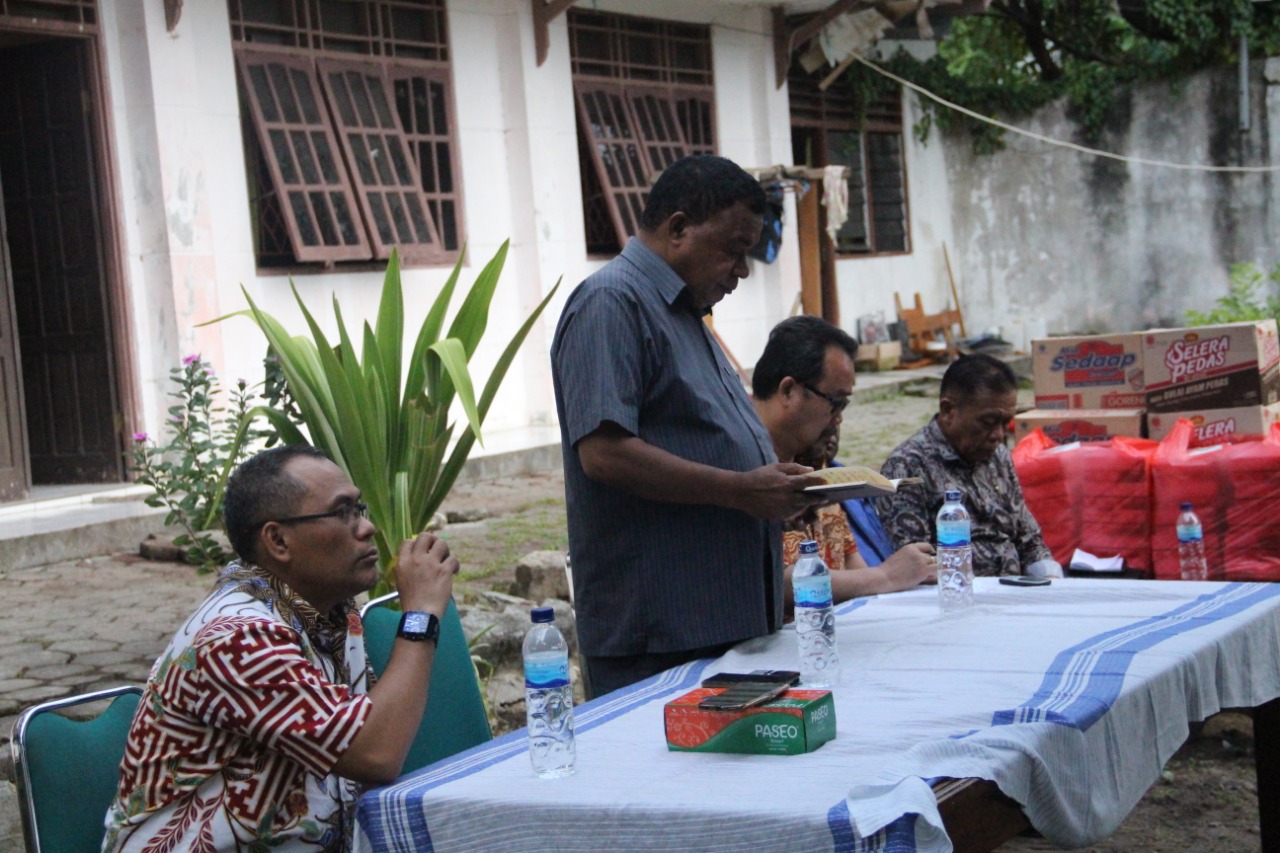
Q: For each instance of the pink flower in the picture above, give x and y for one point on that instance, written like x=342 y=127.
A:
x=191 y=359
x=140 y=437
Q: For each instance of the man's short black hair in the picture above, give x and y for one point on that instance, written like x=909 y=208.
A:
x=260 y=490
x=700 y=186
x=971 y=375
x=797 y=348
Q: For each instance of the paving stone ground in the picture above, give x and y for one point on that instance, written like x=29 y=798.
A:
x=78 y=626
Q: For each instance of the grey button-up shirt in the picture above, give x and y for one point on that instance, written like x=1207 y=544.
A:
x=649 y=576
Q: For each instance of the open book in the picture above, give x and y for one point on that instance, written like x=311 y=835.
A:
x=841 y=484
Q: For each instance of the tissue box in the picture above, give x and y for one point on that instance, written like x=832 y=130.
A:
x=796 y=722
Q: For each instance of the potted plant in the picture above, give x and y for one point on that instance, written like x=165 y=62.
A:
x=384 y=421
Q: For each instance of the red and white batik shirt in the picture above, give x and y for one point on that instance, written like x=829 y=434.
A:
x=242 y=720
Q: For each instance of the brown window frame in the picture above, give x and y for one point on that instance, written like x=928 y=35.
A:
x=636 y=117
x=389 y=187
x=364 y=69
x=79 y=17
x=879 y=200
x=297 y=197
x=436 y=150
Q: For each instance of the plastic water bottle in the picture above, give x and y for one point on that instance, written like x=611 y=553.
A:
x=955 y=554
x=815 y=618
x=1191 y=545
x=548 y=697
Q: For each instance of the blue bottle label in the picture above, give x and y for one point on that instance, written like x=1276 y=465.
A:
x=1189 y=533
x=953 y=534
x=813 y=592
x=553 y=672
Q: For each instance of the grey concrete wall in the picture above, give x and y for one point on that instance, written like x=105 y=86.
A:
x=1050 y=239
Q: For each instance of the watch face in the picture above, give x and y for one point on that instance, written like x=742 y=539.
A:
x=416 y=622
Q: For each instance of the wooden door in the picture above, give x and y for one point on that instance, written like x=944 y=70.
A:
x=15 y=475
x=57 y=268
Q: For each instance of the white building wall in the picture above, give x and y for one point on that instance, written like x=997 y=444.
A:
x=175 y=119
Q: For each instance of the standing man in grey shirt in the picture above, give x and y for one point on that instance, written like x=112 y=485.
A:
x=674 y=492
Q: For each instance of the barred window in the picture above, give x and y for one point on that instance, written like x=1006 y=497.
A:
x=348 y=120
x=80 y=16
x=645 y=97
x=826 y=130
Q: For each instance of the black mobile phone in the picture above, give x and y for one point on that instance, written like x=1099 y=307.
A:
x=1023 y=580
x=744 y=694
x=772 y=676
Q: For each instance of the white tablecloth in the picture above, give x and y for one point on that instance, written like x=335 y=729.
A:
x=1070 y=697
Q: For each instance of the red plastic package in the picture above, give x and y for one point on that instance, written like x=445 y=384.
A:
x=1095 y=495
x=1234 y=488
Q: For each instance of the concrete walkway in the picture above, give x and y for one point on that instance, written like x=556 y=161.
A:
x=77 y=620
x=81 y=625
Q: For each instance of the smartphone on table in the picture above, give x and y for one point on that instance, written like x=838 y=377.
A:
x=1024 y=580
x=747 y=689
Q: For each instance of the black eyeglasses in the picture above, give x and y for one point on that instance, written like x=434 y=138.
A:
x=837 y=404
x=349 y=514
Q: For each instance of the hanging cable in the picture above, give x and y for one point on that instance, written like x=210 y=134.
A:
x=1189 y=167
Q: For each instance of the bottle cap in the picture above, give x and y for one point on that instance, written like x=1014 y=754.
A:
x=1186 y=506
x=952 y=496
x=542 y=614
x=808 y=546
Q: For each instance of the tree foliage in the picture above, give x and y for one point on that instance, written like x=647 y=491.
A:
x=1022 y=54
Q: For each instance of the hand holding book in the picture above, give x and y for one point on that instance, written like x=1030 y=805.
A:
x=856 y=481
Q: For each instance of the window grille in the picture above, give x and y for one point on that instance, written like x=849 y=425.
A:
x=645 y=98
x=352 y=151
x=80 y=16
x=827 y=130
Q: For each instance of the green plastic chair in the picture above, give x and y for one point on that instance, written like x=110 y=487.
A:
x=455 y=718
x=68 y=770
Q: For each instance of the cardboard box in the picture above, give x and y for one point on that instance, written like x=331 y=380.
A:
x=1065 y=427
x=1212 y=367
x=796 y=722
x=884 y=356
x=1090 y=372
x=1218 y=426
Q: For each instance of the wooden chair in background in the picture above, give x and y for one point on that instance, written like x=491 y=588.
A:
x=926 y=331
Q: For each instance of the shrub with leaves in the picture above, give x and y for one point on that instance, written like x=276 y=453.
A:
x=1246 y=300
x=1019 y=55
x=189 y=471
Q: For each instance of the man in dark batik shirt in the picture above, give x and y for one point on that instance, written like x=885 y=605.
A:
x=963 y=448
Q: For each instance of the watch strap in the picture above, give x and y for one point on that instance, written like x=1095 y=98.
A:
x=419 y=626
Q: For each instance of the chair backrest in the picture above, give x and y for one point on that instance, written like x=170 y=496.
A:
x=68 y=770
x=922 y=328
x=455 y=718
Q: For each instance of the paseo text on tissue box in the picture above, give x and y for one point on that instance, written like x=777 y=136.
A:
x=796 y=722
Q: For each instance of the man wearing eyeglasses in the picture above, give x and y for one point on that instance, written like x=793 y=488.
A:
x=801 y=387
x=259 y=721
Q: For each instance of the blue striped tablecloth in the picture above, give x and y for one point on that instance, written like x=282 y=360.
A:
x=1070 y=697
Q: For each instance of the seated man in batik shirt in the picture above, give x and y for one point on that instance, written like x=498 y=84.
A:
x=963 y=448
x=259 y=723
